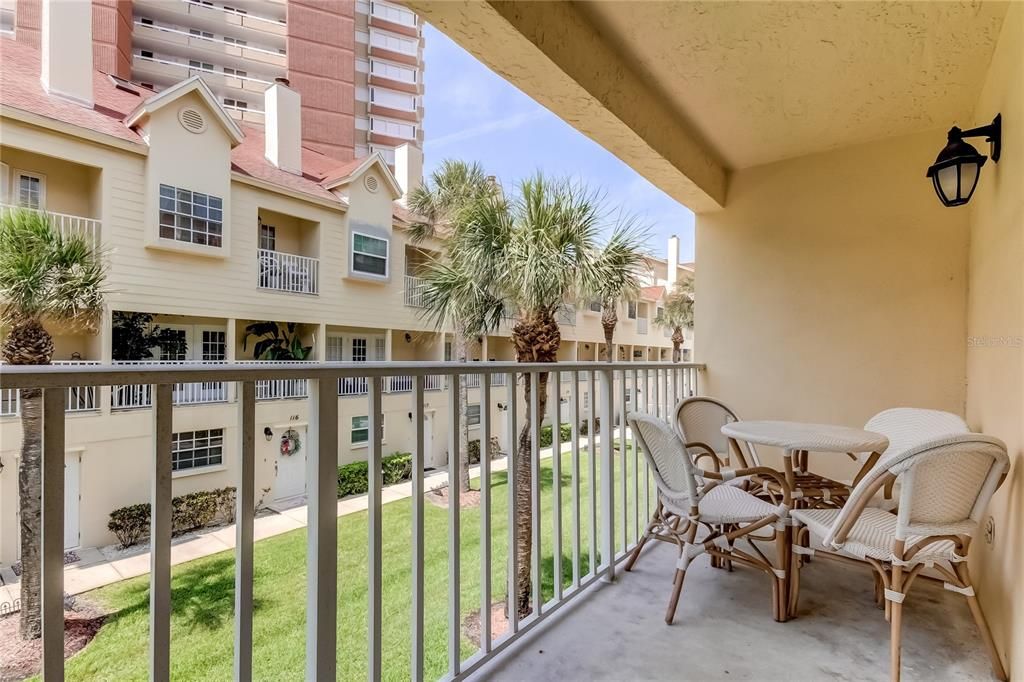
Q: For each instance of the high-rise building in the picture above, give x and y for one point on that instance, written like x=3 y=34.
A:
x=357 y=64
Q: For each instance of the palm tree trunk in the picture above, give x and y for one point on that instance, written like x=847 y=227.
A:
x=609 y=319
x=462 y=355
x=30 y=495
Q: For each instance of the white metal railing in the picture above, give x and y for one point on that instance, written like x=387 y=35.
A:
x=281 y=389
x=641 y=325
x=613 y=505
x=392 y=13
x=198 y=69
x=79 y=398
x=232 y=10
x=414 y=291
x=288 y=272
x=132 y=396
x=216 y=40
x=64 y=223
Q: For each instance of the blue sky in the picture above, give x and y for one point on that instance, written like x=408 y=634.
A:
x=475 y=115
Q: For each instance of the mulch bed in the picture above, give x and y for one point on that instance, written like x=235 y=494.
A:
x=499 y=623
x=20 y=658
x=439 y=497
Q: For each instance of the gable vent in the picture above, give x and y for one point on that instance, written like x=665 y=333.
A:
x=191 y=120
x=371 y=183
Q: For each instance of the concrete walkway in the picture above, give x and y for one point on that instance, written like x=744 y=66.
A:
x=94 y=570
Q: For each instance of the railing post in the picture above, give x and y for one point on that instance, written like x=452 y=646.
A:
x=52 y=540
x=454 y=571
x=322 y=547
x=245 y=512
x=160 y=537
x=607 y=475
x=418 y=459
x=374 y=504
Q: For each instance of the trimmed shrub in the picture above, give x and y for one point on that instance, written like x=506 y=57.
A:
x=353 y=479
x=129 y=524
x=195 y=510
x=585 y=428
x=547 y=437
x=474 y=450
x=226 y=502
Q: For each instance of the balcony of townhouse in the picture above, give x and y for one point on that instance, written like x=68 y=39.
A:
x=417 y=259
x=287 y=255
x=67 y=193
x=208 y=46
x=260 y=22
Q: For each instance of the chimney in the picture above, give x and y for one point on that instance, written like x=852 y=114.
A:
x=282 y=115
x=408 y=169
x=66 y=50
x=673 y=260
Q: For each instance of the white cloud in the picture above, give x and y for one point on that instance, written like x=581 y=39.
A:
x=502 y=124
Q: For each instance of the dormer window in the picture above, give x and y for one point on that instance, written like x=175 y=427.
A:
x=192 y=217
x=369 y=255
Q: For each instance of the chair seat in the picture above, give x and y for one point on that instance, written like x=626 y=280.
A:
x=874 y=533
x=724 y=504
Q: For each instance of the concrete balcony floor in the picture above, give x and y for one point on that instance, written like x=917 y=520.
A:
x=724 y=630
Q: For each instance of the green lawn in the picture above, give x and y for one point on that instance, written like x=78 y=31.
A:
x=203 y=601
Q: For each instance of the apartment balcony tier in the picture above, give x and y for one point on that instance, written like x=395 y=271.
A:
x=162 y=71
x=288 y=272
x=387 y=140
x=180 y=42
x=401 y=114
x=413 y=291
x=394 y=27
x=64 y=223
x=258 y=24
x=391 y=55
x=391 y=84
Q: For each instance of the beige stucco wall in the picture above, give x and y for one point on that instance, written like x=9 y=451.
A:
x=995 y=328
x=833 y=286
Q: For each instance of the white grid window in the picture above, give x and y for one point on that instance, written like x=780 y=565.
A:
x=393 y=100
x=31 y=190
x=268 y=237
x=188 y=216
x=235 y=72
x=182 y=350
x=394 y=42
x=395 y=72
x=378 y=349
x=406 y=131
x=205 y=66
x=361 y=429
x=473 y=414
x=215 y=347
x=235 y=103
x=235 y=41
x=200 y=34
x=631 y=310
x=369 y=255
x=358 y=350
x=195 y=449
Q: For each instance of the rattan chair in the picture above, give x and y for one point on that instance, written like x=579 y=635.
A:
x=699 y=423
x=690 y=498
x=945 y=487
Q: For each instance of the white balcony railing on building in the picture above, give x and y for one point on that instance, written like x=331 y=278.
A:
x=414 y=291
x=641 y=325
x=132 y=396
x=288 y=272
x=79 y=398
x=281 y=389
x=64 y=223
x=610 y=502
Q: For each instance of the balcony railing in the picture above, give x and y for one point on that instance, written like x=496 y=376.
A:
x=641 y=325
x=414 y=291
x=64 y=223
x=281 y=389
x=288 y=272
x=133 y=396
x=612 y=506
x=79 y=398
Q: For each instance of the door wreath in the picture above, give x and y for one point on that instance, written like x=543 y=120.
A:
x=290 y=442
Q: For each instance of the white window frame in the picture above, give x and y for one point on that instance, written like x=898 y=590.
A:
x=393 y=71
x=192 y=217
x=393 y=42
x=387 y=256
x=378 y=122
x=390 y=11
x=41 y=177
x=469 y=414
x=209 y=444
x=377 y=93
x=352 y=428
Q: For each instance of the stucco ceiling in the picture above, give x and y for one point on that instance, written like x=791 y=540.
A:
x=766 y=81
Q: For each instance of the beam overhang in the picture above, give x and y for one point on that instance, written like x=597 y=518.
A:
x=550 y=51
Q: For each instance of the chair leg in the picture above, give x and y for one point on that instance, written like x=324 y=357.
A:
x=895 y=613
x=677 y=589
x=879 y=590
x=635 y=554
x=979 y=619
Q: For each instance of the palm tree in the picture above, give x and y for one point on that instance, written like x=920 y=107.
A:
x=532 y=253
x=448 y=297
x=677 y=314
x=45 y=278
x=623 y=259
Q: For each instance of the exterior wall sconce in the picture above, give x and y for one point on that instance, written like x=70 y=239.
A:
x=267 y=433
x=957 y=168
x=408 y=337
x=502 y=407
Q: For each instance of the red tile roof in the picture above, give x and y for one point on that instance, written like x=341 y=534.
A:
x=20 y=88
x=652 y=293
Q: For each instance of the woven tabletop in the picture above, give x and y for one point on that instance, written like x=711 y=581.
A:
x=810 y=437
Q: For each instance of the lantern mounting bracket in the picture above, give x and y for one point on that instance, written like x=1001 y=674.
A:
x=993 y=134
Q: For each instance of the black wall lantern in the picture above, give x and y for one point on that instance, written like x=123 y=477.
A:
x=957 y=168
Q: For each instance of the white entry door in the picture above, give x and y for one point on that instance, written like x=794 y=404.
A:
x=72 y=478
x=434 y=456
x=290 y=470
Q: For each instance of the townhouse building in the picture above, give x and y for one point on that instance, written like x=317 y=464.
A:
x=211 y=224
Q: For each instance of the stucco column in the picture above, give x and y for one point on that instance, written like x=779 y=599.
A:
x=105 y=336
x=320 y=343
x=230 y=352
x=388 y=336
